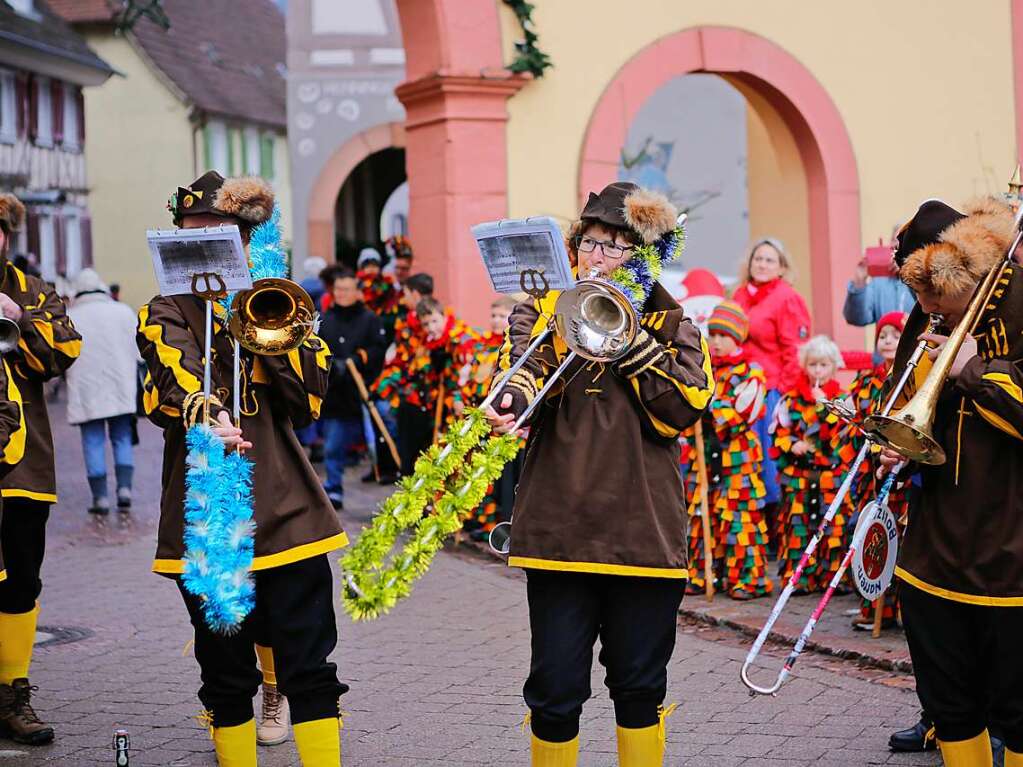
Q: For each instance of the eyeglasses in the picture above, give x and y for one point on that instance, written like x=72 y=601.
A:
x=609 y=249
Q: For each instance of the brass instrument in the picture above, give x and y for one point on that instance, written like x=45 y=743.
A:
x=909 y=432
x=273 y=317
x=10 y=334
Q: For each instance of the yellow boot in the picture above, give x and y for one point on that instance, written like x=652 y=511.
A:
x=319 y=742
x=546 y=754
x=1012 y=759
x=17 y=636
x=643 y=746
x=975 y=752
x=236 y=746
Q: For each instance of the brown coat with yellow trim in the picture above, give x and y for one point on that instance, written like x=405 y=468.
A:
x=12 y=432
x=600 y=488
x=294 y=520
x=49 y=344
x=965 y=535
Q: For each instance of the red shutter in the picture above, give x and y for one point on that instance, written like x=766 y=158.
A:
x=33 y=107
x=57 y=104
x=32 y=231
x=80 y=100
x=59 y=244
x=21 y=102
x=85 y=222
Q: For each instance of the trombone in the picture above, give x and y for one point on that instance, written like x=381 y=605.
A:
x=811 y=547
x=910 y=432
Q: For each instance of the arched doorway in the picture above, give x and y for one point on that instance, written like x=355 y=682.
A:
x=361 y=201
x=802 y=130
x=326 y=204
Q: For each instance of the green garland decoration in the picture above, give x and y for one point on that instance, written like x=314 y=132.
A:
x=456 y=487
x=529 y=57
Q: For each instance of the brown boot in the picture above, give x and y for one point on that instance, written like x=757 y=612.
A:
x=18 y=720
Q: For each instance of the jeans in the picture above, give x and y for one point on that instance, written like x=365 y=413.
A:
x=94 y=444
x=338 y=435
x=769 y=472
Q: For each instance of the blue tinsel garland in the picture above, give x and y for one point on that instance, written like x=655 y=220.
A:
x=637 y=276
x=218 y=489
x=218 y=530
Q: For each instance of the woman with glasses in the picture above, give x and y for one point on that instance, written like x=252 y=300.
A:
x=600 y=522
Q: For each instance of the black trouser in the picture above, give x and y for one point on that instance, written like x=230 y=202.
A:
x=415 y=434
x=23 y=537
x=295 y=612
x=635 y=619
x=968 y=665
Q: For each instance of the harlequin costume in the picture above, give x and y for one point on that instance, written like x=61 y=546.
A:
x=417 y=371
x=865 y=393
x=380 y=294
x=599 y=520
x=961 y=562
x=734 y=458
x=49 y=344
x=295 y=525
x=809 y=482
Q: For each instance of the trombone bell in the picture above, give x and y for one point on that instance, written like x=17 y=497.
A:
x=273 y=317
x=901 y=433
x=10 y=334
x=596 y=320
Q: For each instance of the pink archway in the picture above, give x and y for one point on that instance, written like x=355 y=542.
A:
x=324 y=193
x=804 y=105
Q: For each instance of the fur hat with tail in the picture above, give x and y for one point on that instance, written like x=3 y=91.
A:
x=624 y=205
x=962 y=252
x=12 y=213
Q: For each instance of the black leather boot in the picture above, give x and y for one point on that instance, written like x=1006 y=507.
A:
x=919 y=737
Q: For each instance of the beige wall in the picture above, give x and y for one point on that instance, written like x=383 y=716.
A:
x=138 y=149
x=926 y=117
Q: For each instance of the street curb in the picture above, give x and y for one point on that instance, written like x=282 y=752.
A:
x=776 y=638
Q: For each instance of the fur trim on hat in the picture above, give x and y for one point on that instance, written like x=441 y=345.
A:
x=12 y=212
x=966 y=251
x=650 y=214
x=248 y=198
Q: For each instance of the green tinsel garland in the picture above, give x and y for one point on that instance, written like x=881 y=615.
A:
x=454 y=486
x=530 y=58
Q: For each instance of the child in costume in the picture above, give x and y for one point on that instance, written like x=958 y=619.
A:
x=865 y=393
x=599 y=519
x=477 y=361
x=810 y=461
x=419 y=377
x=734 y=460
x=295 y=526
x=380 y=294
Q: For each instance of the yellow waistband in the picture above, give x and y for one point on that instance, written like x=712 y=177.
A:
x=956 y=596
x=13 y=492
x=598 y=567
x=267 y=561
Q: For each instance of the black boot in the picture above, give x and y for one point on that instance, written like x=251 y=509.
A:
x=919 y=737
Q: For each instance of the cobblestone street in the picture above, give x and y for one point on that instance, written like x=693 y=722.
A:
x=436 y=682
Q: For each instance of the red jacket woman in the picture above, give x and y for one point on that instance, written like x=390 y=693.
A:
x=778 y=318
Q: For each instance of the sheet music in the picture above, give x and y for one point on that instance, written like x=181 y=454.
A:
x=511 y=246
x=178 y=254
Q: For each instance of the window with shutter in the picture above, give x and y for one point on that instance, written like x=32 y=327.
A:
x=21 y=96
x=85 y=226
x=32 y=102
x=80 y=105
x=43 y=112
x=8 y=107
x=57 y=105
x=59 y=243
x=71 y=118
x=266 y=158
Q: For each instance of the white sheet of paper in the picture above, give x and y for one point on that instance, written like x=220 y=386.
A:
x=179 y=254
x=512 y=246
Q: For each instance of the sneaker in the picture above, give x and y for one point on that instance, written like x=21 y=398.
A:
x=100 y=506
x=18 y=720
x=123 y=498
x=273 y=721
